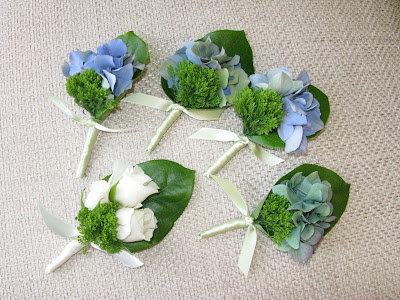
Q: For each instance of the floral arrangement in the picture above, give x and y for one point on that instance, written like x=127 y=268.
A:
x=130 y=210
x=300 y=209
x=276 y=111
x=99 y=81
x=201 y=79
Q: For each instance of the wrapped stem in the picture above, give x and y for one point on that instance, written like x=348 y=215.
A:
x=225 y=158
x=71 y=249
x=165 y=125
x=227 y=226
x=87 y=150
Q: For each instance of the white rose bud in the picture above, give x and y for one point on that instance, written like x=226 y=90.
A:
x=99 y=191
x=135 y=224
x=134 y=187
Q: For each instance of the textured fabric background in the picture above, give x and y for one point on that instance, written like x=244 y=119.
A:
x=351 y=50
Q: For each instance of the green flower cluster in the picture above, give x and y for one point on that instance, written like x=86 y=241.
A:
x=99 y=226
x=196 y=87
x=309 y=199
x=88 y=92
x=260 y=110
x=275 y=219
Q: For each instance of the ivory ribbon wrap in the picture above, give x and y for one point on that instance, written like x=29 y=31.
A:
x=240 y=142
x=250 y=239
x=91 y=136
x=175 y=110
x=64 y=229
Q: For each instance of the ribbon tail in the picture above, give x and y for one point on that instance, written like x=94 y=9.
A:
x=57 y=225
x=71 y=249
x=205 y=114
x=213 y=134
x=127 y=259
x=105 y=129
x=61 y=106
x=264 y=156
x=233 y=194
x=149 y=101
x=247 y=252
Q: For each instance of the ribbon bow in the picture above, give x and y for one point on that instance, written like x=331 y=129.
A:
x=220 y=135
x=64 y=229
x=175 y=110
x=250 y=239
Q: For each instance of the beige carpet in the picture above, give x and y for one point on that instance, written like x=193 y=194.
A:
x=351 y=50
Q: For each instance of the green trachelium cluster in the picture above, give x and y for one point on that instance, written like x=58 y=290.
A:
x=88 y=92
x=275 y=219
x=260 y=110
x=309 y=201
x=99 y=226
x=196 y=87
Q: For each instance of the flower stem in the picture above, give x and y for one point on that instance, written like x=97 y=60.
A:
x=71 y=249
x=165 y=125
x=87 y=150
x=225 y=158
x=221 y=228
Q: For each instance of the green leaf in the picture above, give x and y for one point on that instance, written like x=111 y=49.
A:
x=137 y=47
x=340 y=189
x=176 y=187
x=234 y=43
x=273 y=140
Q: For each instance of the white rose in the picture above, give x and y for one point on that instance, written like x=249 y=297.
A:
x=134 y=187
x=135 y=224
x=99 y=191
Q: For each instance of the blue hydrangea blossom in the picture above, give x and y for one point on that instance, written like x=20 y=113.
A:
x=302 y=116
x=112 y=62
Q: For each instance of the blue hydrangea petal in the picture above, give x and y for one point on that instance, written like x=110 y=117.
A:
x=116 y=48
x=118 y=62
x=275 y=71
x=176 y=58
x=294 y=141
x=227 y=90
x=303 y=145
x=193 y=57
x=73 y=69
x=285 y=131
x=77 y=57
x=103 y=62
x=111 y=78
x=65 y=69
x=302 y=254
x=295 y=119
x=303 y=76
x=314 y=177
x=307 y=233
x=258 y=78
x=124 y=79
x=280 y=82
x=280 y=189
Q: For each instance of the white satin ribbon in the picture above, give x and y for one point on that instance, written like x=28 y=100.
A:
x=168 y=105
x=220 y=135
x=250 y=239
x=174 y=110
x=64 y=229
x=87 y=122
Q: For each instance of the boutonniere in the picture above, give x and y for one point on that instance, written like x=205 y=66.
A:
x=201 y=79
x=302 y=207
x=277 y=111
x=98 y=81
x=128 y=211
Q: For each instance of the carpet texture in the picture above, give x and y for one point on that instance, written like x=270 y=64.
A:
x=351 y=51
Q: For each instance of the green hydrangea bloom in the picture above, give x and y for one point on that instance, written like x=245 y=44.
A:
x=275 y=218
x=99 y=226
x=196 y=87
x=88 y=92
x=260 y=111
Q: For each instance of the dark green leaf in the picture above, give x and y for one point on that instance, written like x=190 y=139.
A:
x=273 y=140
x=176 y=187
x=137 y=47
x=340 y=189
x=234 y=43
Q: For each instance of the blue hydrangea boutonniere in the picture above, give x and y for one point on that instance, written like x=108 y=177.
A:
x=98 y=81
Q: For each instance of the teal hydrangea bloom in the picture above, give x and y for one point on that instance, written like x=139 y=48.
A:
x=208 y=55
x=310 y=200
